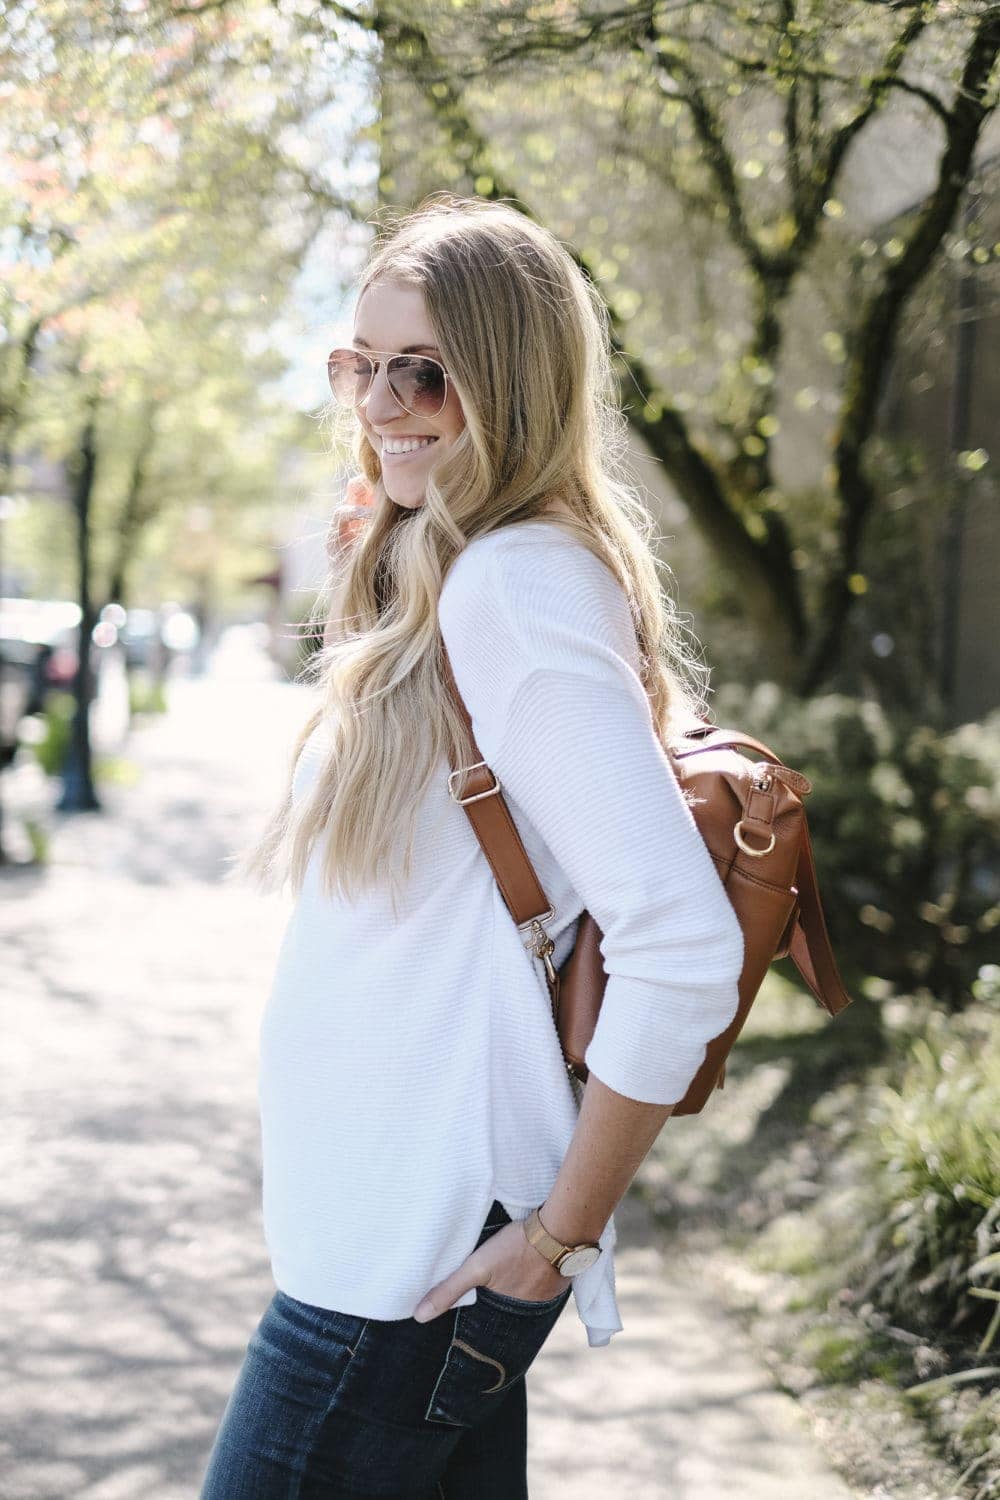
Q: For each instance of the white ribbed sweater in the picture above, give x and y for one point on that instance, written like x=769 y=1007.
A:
x=410 y=1072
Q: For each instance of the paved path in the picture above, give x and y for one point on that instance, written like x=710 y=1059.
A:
x=131 y=1241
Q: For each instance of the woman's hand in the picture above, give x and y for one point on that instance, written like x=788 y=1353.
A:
x=353 y=512
x=506 y=1263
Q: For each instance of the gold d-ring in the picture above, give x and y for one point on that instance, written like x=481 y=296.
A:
x=748 y=848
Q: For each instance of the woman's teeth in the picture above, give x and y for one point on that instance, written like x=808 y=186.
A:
x=402 y=446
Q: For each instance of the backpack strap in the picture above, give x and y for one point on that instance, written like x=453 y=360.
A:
x=480 y=793
x=710 y=738
x=810 y=949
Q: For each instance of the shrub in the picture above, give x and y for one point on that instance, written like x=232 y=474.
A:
x=932 y=1146
x=146 y=694
x=52 y=744
x=905 y=823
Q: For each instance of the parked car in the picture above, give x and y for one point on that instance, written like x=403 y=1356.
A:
x=140 y=635
x=18 y=666
x=38 y=655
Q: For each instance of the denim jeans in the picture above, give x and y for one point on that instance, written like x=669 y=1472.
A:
x=331 y=1405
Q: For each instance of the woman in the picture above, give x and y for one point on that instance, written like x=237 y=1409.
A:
x=435 y=1186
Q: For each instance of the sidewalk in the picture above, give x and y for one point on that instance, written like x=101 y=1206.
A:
x=133 y=1253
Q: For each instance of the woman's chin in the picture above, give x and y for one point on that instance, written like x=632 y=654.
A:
x=410 y=497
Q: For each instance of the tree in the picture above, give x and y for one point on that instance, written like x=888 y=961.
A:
x=704 y=160
x=158 y=201
x=159 y=187
x=730 y=128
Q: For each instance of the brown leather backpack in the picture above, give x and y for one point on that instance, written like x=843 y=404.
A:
x=750 y=815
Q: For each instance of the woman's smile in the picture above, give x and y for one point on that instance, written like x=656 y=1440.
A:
x=397 y=450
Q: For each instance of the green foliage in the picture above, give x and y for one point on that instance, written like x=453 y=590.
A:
x=52 y=745
x=38 y=839
x=146 y=695
x=986 y=987
x=865 y=1226
x=115 y=770
x=759 y=305
x=158 y=283
x=862 y=1214
x=932 y=1143
x=905 y=823
x=843 y=1353
x=929 y=1154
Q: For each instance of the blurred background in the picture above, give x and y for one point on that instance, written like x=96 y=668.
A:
x=790 y=209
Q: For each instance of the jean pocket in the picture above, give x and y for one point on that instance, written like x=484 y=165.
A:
x=524 y=1305
x=496 y=1218
x=495 y=1341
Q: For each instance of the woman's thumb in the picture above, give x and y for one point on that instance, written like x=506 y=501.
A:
x=442 y=1296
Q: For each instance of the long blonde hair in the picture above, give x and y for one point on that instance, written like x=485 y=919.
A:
x=524 y=337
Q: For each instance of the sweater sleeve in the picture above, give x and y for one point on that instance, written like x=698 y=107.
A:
x=544 y=652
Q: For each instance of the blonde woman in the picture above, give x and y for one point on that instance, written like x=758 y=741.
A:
x=417 y=1117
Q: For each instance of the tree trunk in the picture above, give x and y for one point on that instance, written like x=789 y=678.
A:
x=78 y=793
x=135 y=514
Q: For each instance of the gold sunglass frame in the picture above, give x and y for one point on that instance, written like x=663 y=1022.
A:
x=375 y=357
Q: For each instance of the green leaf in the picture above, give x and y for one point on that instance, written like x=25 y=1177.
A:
x=929 y=1388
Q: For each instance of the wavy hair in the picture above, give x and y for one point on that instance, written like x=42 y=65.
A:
x=524 y=336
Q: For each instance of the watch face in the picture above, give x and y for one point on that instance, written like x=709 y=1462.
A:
x=579 y=1260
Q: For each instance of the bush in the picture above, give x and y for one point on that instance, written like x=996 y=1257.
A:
x=146 y=694
x=52 y=745
x=905 y=823
x=932 y=1146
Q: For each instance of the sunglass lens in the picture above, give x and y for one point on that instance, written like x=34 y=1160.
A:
x=350 y=375
x=417 y=384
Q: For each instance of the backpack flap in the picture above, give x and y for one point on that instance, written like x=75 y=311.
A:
x=754 y=824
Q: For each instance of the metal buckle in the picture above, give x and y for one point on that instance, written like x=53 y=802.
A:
x=543 y=917
x=477 y=796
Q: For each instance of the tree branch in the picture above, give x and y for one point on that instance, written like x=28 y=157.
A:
x=768 y=580
x=800 y=71
x=873 y=341
x=825 y=173
x=793 y=144
x=670 y=64
x=12 y=399
x=136 y=510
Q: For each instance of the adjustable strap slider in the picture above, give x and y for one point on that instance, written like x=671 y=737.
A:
x=475 y=796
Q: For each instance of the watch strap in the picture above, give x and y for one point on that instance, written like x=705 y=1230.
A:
x=554 y=1250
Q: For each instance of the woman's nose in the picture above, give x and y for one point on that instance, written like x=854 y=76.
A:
x=380 y=404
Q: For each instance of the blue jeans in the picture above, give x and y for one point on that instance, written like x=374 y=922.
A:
x=331 y=1405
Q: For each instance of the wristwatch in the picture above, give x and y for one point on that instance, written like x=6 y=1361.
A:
x=568 y=1260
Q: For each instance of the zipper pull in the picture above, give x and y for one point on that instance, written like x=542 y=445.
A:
x=542 y=946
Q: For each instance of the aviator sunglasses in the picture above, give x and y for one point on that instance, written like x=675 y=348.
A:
x=418 y=383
